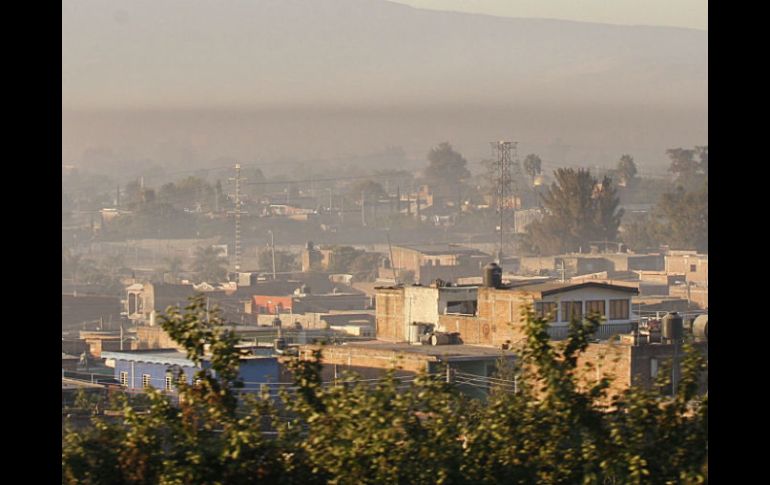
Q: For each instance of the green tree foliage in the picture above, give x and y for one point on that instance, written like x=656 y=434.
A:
x=579 y=210
x=446 y=166
x=191 y=193
x=533 y=165
x=284 y=260
x=361 y=264
x=626 y=169
x=703 y=156
x=543 y=427
x=688 y=170
x=370 y=190
x=209 y=265
x=174 y=266
x=679 y=220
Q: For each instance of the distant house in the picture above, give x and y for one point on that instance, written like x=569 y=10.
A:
x=141 y=369
x=429 y=262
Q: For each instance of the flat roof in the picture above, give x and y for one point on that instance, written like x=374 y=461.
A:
x=441 y=249
x=67 y=384
x=173 y=356
x=442 y=352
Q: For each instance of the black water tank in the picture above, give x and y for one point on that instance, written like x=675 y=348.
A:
x=493 y=275
x=671 y=327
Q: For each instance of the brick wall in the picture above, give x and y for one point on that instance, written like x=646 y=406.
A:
x=390 y=315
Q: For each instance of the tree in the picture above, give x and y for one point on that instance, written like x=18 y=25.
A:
x=540 y=424
x=684 y=218
x=679 y=220
x=174 y=267
x=626 y=169
x=446 y=166
x=284 y=260
x=369 y=189
x=683 y=163
x=532 y=165
x=703 y=156
x=209 y=265
x=578 y=210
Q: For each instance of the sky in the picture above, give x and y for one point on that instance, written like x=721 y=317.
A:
x=670 y=13
x=183 y=80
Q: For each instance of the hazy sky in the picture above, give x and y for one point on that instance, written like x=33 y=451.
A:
x=673 y=13
x=179 y=81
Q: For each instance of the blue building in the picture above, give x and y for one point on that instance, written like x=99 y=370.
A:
x=137 y=370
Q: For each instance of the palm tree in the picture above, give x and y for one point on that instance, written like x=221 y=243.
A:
x=209 y=264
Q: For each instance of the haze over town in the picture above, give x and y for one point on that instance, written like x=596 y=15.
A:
x=359 y=241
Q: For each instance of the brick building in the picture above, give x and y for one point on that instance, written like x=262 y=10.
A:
x=496 y=317
x=429 y=262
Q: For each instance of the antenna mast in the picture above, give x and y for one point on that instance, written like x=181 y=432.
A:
x=237 y=212
x=507 y=186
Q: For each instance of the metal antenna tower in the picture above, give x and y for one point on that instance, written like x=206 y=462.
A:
x=237 y=212
x=507 y=173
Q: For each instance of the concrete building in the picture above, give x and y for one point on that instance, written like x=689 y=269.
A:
x=693 y=265
x=496 y=318
x=371 y=359
x=429 y=262
x=633 y=361
x=140 y=369
x=397 y=308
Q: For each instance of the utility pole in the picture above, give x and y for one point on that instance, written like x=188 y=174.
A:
x=363 y=208
x=392 y=263
x=237 y=212
x=272 y=249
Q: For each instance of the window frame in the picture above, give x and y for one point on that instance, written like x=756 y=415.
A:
x=626 y=315
x=602 y=312
x=146 y=381
x=567 y=311
x=540 y=310
x=123 y=378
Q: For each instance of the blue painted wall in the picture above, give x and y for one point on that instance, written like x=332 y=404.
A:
x=252 y=372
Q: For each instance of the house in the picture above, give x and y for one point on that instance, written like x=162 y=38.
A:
x=496 y=316
x=428 y=262
x=137 y=370
x=69 y=362
x=634 y=360
x=693 y=265
x=372 y=359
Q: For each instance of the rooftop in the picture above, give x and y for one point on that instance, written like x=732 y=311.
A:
x=172 y=356
x=435 y=249
x=552 y=287
x=72 y=384
x=439 y=352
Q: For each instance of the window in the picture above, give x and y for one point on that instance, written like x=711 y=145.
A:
x=595 y=306
x=653 y=368
x=618 y=309
x=146 y=380
x=570 y=310
x=169 y=380
x=546 y=309
x=124 y=379
x=693 y=268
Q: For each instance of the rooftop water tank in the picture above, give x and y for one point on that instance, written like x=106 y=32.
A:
x=700 y=328
x=671 y=327
x=493 y=275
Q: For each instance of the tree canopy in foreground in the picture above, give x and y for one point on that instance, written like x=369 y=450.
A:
x=548 y=429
